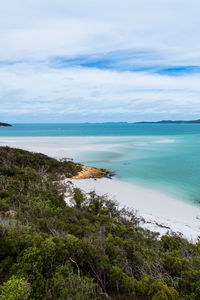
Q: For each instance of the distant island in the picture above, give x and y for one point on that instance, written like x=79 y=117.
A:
x=171 y=122
x=5 y=125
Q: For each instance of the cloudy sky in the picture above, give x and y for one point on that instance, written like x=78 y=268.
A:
x=99 y=60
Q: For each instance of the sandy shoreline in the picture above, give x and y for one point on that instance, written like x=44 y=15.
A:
x=155 y=207
x=161 y=212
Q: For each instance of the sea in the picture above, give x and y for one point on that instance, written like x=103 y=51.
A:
x=158 y=156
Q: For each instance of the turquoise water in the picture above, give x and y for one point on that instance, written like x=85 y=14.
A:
x=162 y=156
x=104 y=129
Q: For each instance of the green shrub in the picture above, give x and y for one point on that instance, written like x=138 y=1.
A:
x=15 y=288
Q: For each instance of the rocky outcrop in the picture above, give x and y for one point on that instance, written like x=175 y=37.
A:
x=91 y=172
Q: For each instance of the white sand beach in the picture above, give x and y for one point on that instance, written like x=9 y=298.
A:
x=162 y=212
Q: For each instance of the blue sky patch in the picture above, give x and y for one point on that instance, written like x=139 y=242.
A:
x=133 y=61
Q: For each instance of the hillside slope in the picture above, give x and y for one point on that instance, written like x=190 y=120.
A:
x=90 y=250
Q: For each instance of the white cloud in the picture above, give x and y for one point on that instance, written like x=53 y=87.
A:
x=42 y=90
x=39 y=29
x=35 y=31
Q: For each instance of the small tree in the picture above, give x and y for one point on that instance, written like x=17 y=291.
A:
x=79 y=197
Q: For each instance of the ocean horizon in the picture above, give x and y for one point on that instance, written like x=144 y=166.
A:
x=97 y=129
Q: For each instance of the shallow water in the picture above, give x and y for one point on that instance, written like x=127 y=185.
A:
x=165 y=157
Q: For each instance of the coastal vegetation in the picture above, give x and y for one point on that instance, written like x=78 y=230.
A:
x=90 y=249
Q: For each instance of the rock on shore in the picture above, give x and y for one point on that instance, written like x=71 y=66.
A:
x=91 y=172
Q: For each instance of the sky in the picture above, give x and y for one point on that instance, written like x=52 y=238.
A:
x=99 y=60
